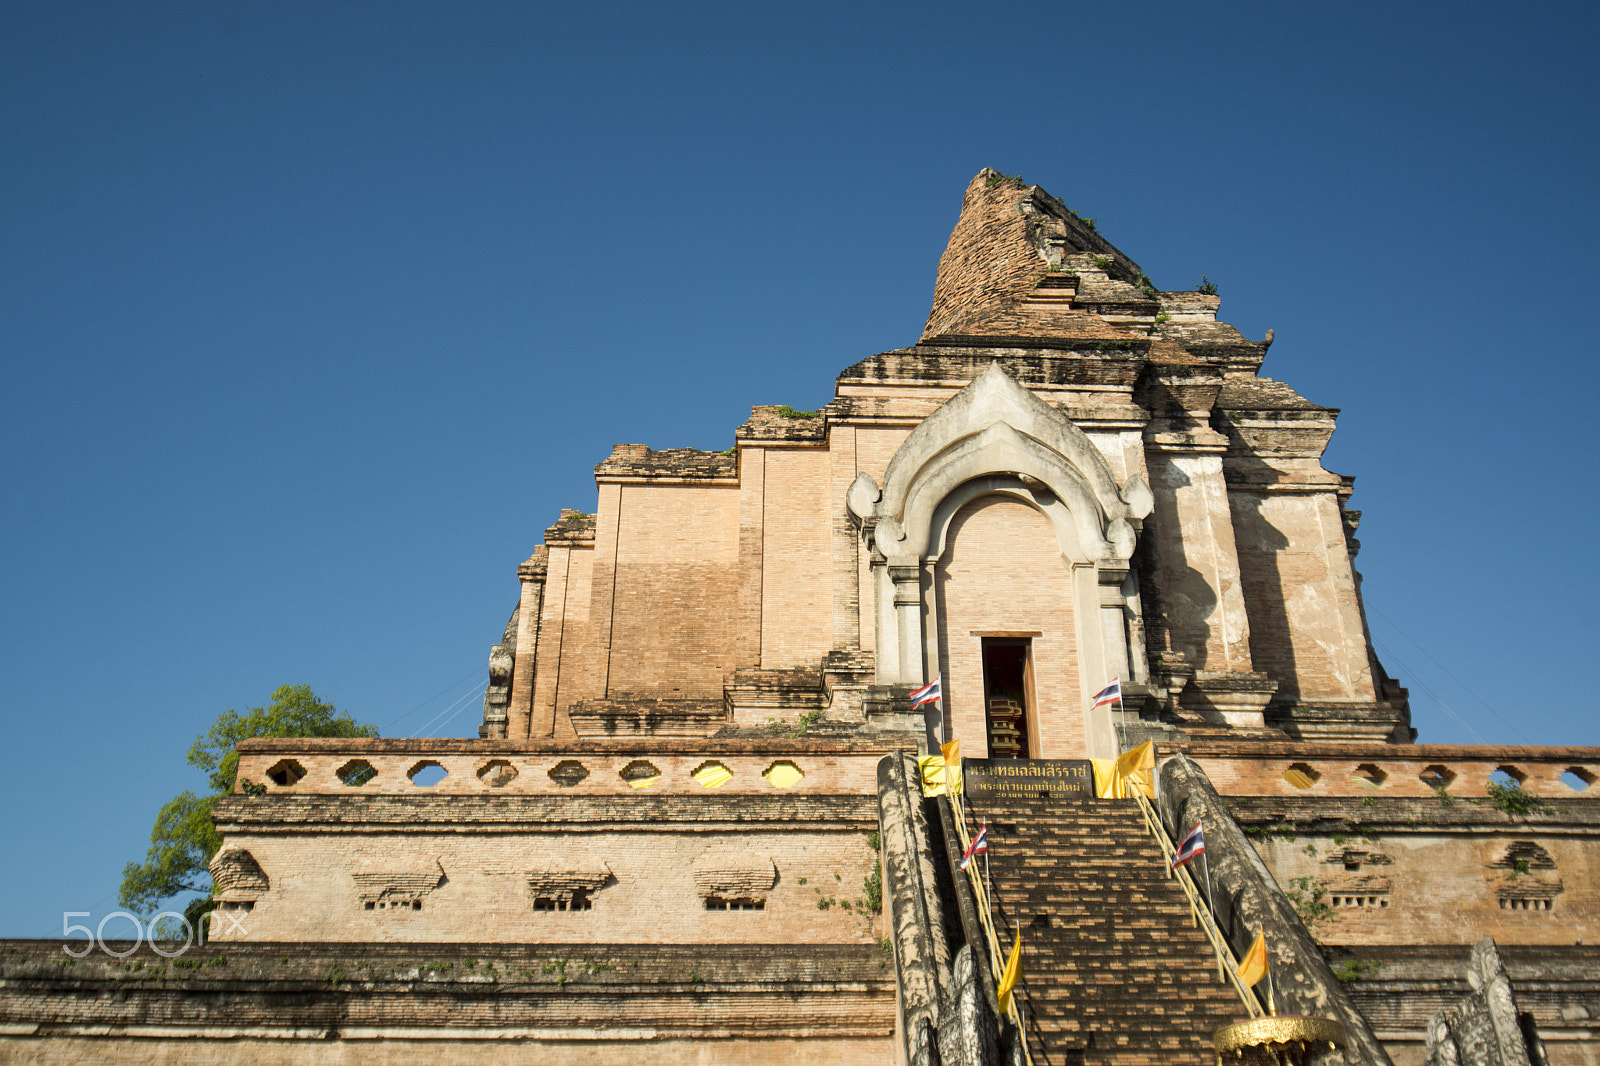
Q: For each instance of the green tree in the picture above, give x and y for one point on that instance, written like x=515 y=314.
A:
x=184 y=838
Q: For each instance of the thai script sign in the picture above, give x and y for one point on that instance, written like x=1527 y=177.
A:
x=1000 y=778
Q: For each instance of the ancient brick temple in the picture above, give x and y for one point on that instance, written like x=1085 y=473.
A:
x=1070 y=477
x=692 y=825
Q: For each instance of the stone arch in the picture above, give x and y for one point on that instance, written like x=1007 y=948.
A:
x=996 y=437
x=1000 y=575
x=995 y=426
x=1060 y=516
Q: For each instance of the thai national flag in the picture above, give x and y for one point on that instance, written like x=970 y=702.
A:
x=980 y=844
x=1110 y=694
x=1192 y=844
x=928 y=693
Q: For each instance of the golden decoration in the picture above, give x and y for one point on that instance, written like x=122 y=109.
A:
x=1274 y=1034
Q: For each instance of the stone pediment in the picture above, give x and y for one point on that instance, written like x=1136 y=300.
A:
x=238 y=876
x=995 y=426
x=396 y=885
x=567 y=878
x=729 y=874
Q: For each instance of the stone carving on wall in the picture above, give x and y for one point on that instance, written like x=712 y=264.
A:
x=1524 y=878
x=1485 y=1028
x=566 y=886
x=238 y=876
x=731 y=875
x=397 y=889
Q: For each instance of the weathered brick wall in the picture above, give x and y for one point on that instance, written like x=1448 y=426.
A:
x=464 y=859
x=1449 y=882
x=405 y=1047
x=483 y=894
x=1262 y=769
x=797 y=578
x=1002 y=573
x=675 y=575
x=1377 y=855
x=1401 y=988
x=385 y=1004
x=565 y=653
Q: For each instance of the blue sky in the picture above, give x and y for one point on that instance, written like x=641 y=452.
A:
x=312 y=316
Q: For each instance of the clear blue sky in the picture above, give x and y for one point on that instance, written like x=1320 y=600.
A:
x=314 y=315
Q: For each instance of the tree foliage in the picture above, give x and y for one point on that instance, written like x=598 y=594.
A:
x=184 y=838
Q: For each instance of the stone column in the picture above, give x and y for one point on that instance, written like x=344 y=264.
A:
x=907 y=581
x=1196 y=556
x=1113 y=616
x=524 y=650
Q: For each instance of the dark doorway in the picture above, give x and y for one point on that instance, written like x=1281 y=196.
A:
x=1007 y=685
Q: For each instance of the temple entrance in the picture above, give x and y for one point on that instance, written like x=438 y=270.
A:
x=1007 y=640
x=1008 y=695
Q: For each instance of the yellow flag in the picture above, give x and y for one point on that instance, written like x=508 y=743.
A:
x=1254 y=965
x=952 y=767
x=1133 y=771
x=1105 y=779
x=931 y=770
x=1008 y=979
x=1141 y=758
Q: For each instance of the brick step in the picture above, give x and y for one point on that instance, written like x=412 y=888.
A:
x=1120 y=976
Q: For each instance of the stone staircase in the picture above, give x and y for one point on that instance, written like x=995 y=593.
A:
x=1114 y=968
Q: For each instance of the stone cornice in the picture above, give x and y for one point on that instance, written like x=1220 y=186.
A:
x=472 y=813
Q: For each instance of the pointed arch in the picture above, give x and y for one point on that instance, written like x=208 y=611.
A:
x=994 y=426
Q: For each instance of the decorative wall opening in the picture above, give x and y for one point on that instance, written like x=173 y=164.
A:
x=1508 y=777
x=356 y=773
x=714 y=903
x=392 y=905
x=783 y=774
x=1577 y=778
x=640 y=773
x=568 y=773
x=1007 y=687
x=1437 y=776
x=497 y=773
x=712 y=774
x=1526 y=904
x=1529 y=881
x=427 y=773
x=574 y=901
x=1357 y=901
x=1301 y=775
x=1368 y=775
x=285 y=772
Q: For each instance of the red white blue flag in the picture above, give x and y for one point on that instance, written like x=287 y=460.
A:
x=979 y=845
x=1192 y=844
x=928 y=693
x=1110 y=694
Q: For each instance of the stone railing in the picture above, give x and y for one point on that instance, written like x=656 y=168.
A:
x=1415 y=770
x=466 y=767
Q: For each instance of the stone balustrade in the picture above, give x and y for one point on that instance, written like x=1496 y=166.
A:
x=695 y=766
x=1387 y=770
